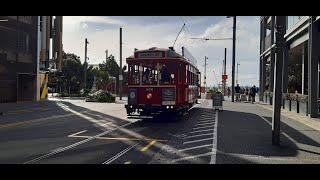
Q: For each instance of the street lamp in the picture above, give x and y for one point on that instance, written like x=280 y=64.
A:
x=233 y=53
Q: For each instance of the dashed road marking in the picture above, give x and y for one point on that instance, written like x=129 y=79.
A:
x=196 y=147
x=196 y=128
x=215 y=140
x=198 y=135
x=202 y=130
x=199 y=140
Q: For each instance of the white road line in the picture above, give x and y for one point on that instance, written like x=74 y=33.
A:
x=196 y=147
x=188 y=137
x=192 y=157
x=211 y=120
x=199 y=140
x=115 y=157
x=77 y=133
x=215 y=139
x=102 y=124
x=202 y=130
x=204 y=124
x=74 y=145
x=202 y=127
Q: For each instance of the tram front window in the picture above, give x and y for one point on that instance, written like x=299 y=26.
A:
x=134 y=77
x=150 y=75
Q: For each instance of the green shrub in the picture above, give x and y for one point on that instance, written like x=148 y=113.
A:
x=101 y=96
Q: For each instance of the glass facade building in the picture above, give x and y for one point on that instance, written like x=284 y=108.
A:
x=292 y=20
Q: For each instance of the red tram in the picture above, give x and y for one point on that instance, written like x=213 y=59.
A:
x=161 y=80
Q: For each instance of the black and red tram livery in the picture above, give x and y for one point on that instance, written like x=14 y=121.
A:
x=161 y=80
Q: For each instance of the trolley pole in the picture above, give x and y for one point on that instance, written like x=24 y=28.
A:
x=120 y=70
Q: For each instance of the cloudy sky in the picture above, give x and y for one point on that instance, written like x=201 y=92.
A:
x=160 y=31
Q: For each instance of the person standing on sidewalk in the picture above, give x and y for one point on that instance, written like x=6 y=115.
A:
x=253 y=91
x=228 y=91
x=237 y=90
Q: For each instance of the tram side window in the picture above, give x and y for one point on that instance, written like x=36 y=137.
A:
x=135 y=75
x=166 y=77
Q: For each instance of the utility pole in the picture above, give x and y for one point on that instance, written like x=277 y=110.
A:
x=106 y=54
x=277 y=88
x=237 y=73
x=205 y=74
x=85 y=64
x=233 y=53
x=120 y=70
x=224 y=70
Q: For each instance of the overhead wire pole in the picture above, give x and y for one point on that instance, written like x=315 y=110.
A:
x=224 y=70
x=208 y=39
x=280 y=22
x=120 y=70
x=205 y=74
x=85 y=64
x=233 y=54
x=237 y=73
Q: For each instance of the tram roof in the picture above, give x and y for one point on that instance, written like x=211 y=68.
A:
x=169 y=53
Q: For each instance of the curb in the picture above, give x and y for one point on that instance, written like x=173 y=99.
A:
x=311 y=122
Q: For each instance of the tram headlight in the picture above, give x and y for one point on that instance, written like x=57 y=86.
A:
x=167 y=107
x=149 y=95
x=171 y=107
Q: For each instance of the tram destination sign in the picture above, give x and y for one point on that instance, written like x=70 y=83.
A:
x=150 y=55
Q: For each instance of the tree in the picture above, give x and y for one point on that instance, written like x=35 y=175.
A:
x=111 y=66
x=72 y=73
x=102 y=78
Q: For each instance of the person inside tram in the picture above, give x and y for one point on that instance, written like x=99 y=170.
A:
x=165 y=75
x=146 y=75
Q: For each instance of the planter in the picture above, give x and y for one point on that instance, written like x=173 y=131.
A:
x=287 y=105
x=303 y=108
x=266 y=98
x=294 y=106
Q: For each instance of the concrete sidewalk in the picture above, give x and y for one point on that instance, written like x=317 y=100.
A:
x=244 y=136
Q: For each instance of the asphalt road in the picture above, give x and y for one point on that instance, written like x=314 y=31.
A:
x=74 y=132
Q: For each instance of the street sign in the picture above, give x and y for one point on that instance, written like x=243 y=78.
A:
x=217 y=101
x=224 y=77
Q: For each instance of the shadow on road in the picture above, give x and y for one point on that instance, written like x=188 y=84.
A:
x=242 y=135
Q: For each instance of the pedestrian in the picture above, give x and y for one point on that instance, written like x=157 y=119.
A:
x=228 y=92
x=253 y=92
x=247 y=94
x=237 y=92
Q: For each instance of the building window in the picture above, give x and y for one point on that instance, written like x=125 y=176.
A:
x=292 y=20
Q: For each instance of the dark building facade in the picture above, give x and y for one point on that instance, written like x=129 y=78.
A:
x=300 y=73
x=18 y=58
